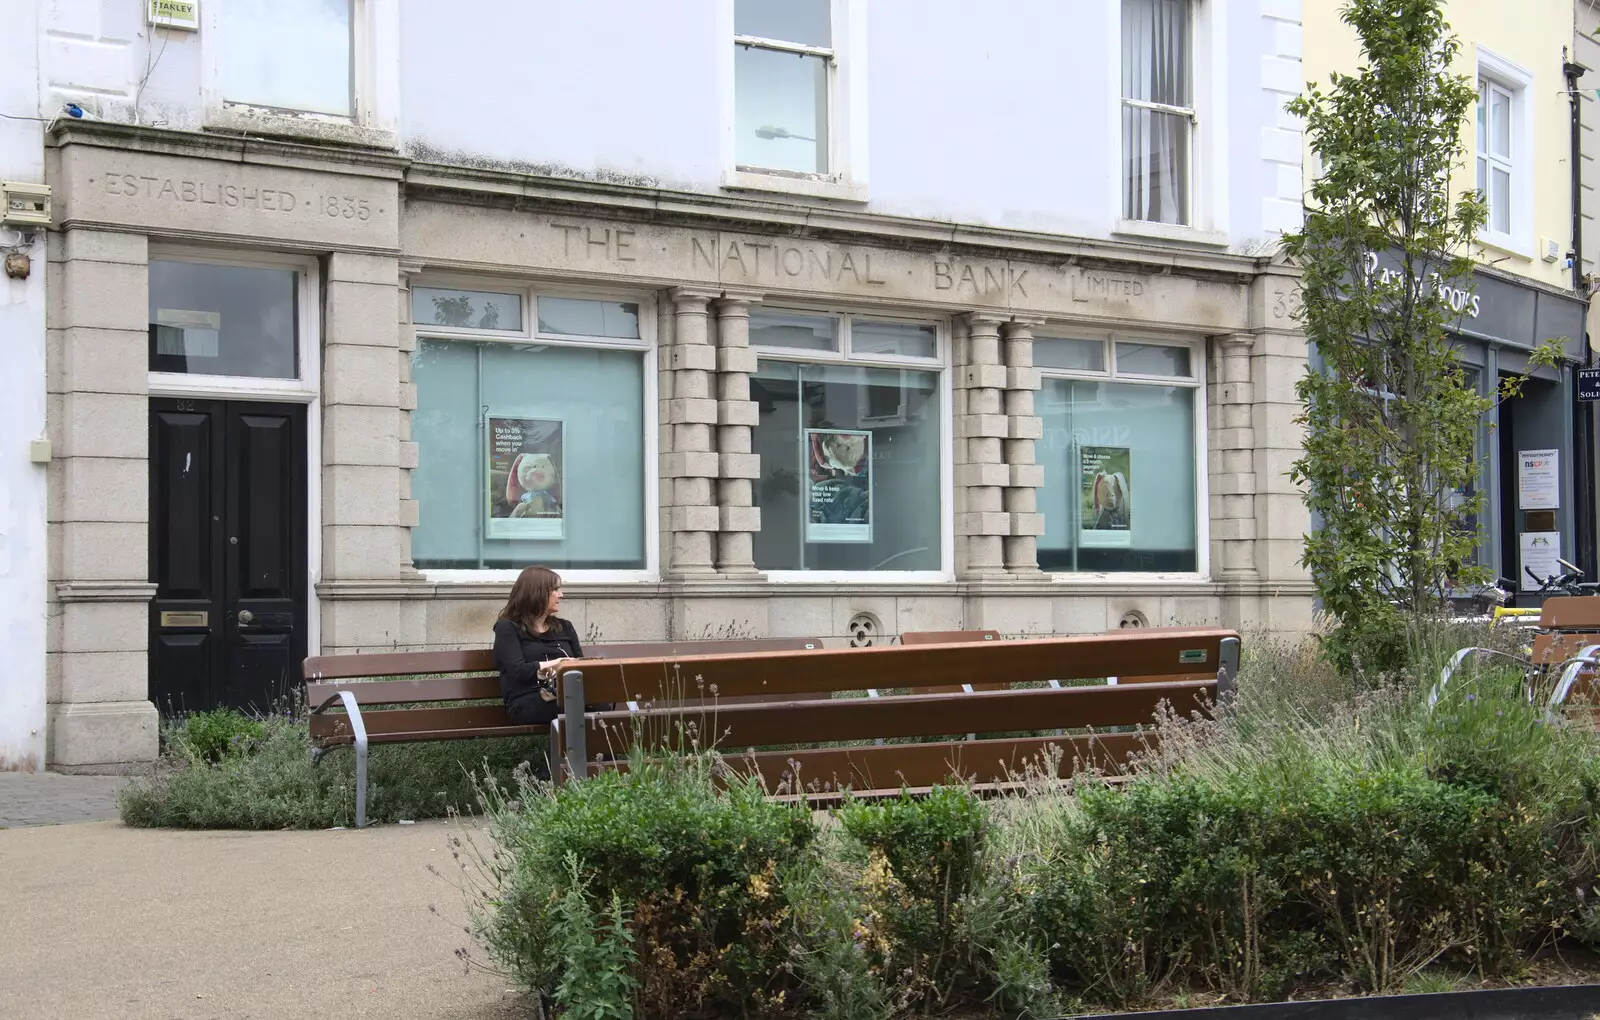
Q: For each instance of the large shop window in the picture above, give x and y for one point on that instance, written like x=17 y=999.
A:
x=850 y=439
x=216 y=319
x=783 y=68
x=1158 y=110
x=531 y=449
x=256 y=68
x=1119 y=456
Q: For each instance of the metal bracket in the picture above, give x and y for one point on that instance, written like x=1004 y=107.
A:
x=572 y=706
x=1228 y=669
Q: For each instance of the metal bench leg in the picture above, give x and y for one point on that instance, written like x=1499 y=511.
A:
x=577 y=736
x=1569 y=678
x=358 y=727
x=1227 y=668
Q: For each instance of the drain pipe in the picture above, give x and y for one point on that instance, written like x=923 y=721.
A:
x=1584 y=476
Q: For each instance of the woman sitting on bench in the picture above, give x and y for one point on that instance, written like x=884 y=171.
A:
x=531 y=645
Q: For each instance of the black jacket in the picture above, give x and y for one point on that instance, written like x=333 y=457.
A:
x=517 y=655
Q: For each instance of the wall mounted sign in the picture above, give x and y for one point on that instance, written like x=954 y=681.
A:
x=183 y=14
x=1589 y=384
x=1538 y=479
x=525 y=472
x=1541 y=553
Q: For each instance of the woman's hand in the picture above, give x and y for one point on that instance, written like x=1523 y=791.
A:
x=551 y=668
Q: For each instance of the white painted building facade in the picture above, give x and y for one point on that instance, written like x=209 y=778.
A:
x=838 y=318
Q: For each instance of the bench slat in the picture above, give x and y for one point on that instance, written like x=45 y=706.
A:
x=1571 y=612
x=888 y=766
x=406 y=737
x=1145 y=652
x=756 y=725
x=405 y=692
x=417 y=720
x=481 y=660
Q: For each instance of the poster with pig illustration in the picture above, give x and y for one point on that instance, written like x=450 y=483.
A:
x=525 y=471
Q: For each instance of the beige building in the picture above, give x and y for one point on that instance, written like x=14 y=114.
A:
x=325 y=384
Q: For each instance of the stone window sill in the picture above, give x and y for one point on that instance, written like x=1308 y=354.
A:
x=310 y=127
x=1171 y=232
x=810 y=187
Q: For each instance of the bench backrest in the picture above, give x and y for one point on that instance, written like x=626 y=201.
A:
x=1577 y=613
x=950 y=637
x=1144 y=652
x=469 y=675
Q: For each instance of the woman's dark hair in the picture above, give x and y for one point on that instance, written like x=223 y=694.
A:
x=530 y=598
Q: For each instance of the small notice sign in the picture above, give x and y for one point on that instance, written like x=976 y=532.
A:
x=184 y=14
x=1589 y=384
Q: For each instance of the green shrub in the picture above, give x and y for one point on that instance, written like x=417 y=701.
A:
x=269 y=781
x=212 y=736
x=701 y=871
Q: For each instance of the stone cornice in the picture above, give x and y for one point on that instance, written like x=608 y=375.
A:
x=643 y=200
x=332 y=157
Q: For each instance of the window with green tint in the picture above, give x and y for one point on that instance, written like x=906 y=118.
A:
x=1069 y=355
x=850 y=467
x=788 y=329
x=528 y=453
x=1119 y=477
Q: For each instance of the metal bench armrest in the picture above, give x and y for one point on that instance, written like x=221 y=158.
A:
x=358 y=728
x=1569 y=677
x=1455 y=662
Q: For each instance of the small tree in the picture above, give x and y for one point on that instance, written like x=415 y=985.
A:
x=1391 y=421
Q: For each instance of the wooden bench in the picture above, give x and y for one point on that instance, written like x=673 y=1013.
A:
x=746 y=732
x=381 y=708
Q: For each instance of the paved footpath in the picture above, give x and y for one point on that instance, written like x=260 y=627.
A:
x=99 y=920
x=49 y=798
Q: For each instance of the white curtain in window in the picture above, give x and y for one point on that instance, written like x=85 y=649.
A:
x=1156 y=69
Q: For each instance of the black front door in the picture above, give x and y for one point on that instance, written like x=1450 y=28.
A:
x=227 y=553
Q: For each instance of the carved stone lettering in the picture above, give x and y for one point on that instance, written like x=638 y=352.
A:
x=194 y=191
x=741 y=261
x=1090 y=285
x=988 y=281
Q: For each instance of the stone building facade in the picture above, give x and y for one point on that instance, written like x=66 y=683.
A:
x=740 y=332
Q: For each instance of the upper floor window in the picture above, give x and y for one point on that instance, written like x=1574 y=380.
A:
x=1158 y=110
x=1504 y=140
x=288 y=55
x=784 y=71
x=1495 y=165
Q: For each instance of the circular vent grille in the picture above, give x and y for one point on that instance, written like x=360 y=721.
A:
x=1133 y=618
x=863 y=630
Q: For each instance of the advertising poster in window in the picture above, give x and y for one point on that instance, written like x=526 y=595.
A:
x=1105 y=474
x=838 y=485
x=525 y=472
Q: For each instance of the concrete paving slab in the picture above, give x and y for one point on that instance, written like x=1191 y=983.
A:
x=99 y=920
x=49 y=798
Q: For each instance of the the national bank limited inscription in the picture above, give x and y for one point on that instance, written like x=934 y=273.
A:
x=189 y=191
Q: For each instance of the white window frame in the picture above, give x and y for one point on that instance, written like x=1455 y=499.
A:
x=529 y=334
x=1517 y=82
x=844 y=356
x=1208 y=142
x=374 y=83
x=846 y=179
x=1196 y=380
x=307 y=389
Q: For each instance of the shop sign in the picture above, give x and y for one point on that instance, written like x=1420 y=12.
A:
x=184 y=14
x=1538 y=479
x=1459 y=300
x=1589 y=384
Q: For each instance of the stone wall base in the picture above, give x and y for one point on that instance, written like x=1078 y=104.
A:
x=110 y=736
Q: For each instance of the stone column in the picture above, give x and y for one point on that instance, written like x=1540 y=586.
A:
x=98 y=714
x=738 y=469
x=1023 y=430
x=1277 y=361
x=368 y=396
x=982 y=429
x=1231 y=449
x=690 y=464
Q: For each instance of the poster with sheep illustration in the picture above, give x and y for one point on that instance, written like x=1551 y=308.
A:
x=525 y=473
x=1105 y=474
x=838 y=485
